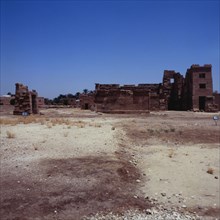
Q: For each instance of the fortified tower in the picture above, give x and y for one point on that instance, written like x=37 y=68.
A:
x=198 y=91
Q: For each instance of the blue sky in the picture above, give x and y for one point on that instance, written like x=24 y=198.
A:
x=60 y=47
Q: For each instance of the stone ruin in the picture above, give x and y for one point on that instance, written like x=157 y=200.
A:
x=194 y=92
x=113 y=98
x=6 y=100
x=26 y=101
x=176 y=92
x=87 y=101
x=40 y=102
x=217 y=100
x=197 y=92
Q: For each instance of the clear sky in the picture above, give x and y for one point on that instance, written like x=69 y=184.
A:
x=60 y=47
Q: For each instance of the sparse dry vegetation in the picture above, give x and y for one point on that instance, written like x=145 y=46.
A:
x=171 y=153
x=210 y=170
x=97 y=125
x=79 y=124
x=45 y=121
x=159 y=131
x=49 y=125
x=10 y=134
x=7 y=121
x=172 y=129
x=28 y=120
x=65 y=134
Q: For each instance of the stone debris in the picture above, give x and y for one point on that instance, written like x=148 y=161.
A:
x=163 y=194
x=148 y=214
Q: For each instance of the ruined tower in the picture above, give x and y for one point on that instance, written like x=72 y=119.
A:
x=25 y=100
x=198 y=91
x=172 y=89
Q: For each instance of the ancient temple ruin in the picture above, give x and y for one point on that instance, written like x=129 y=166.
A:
x=113 y=98
x=194 y=92
x=197 y=91
x=25 y=101
x=87 y=101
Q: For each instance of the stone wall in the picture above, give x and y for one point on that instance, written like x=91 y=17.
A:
x=40 y=102
x=194 y=92
x=25 y=100
x=172 y=89
x=198 y=91
x=5 y=100
x=217 y=99
x=87 y=101
x=117 y=98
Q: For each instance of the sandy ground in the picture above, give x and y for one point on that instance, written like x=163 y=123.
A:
x=68 y=163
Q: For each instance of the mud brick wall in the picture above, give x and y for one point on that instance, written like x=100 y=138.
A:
x=194 y=92
x=106 y=86
x=127 y=98
x=5 y=100
x=217 y=100
x=187 y=92
x=40 y=102
x=210 y=105
x=25 y=100
x=198 y=91
x=71 y=102
x=207 y=81
x=87 y=101
x=172 y=89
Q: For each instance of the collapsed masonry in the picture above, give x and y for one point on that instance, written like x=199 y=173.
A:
x=194 y=92
x=25 y=100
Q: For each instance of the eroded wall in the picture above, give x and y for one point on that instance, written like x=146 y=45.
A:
x=25 y=100
x=194 y=92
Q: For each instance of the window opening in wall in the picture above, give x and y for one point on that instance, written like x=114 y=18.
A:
x=172 y=80
x=202 y=86
x=202 y=75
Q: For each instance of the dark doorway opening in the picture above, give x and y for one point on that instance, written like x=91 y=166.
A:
x=86 y=106
x=201 y=102
x=34 y=104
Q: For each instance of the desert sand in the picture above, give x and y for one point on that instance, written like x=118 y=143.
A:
x=74 y=164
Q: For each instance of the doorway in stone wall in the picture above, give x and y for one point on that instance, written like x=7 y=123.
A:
x=34 y=104
x=201 y=102
x=86 y=106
